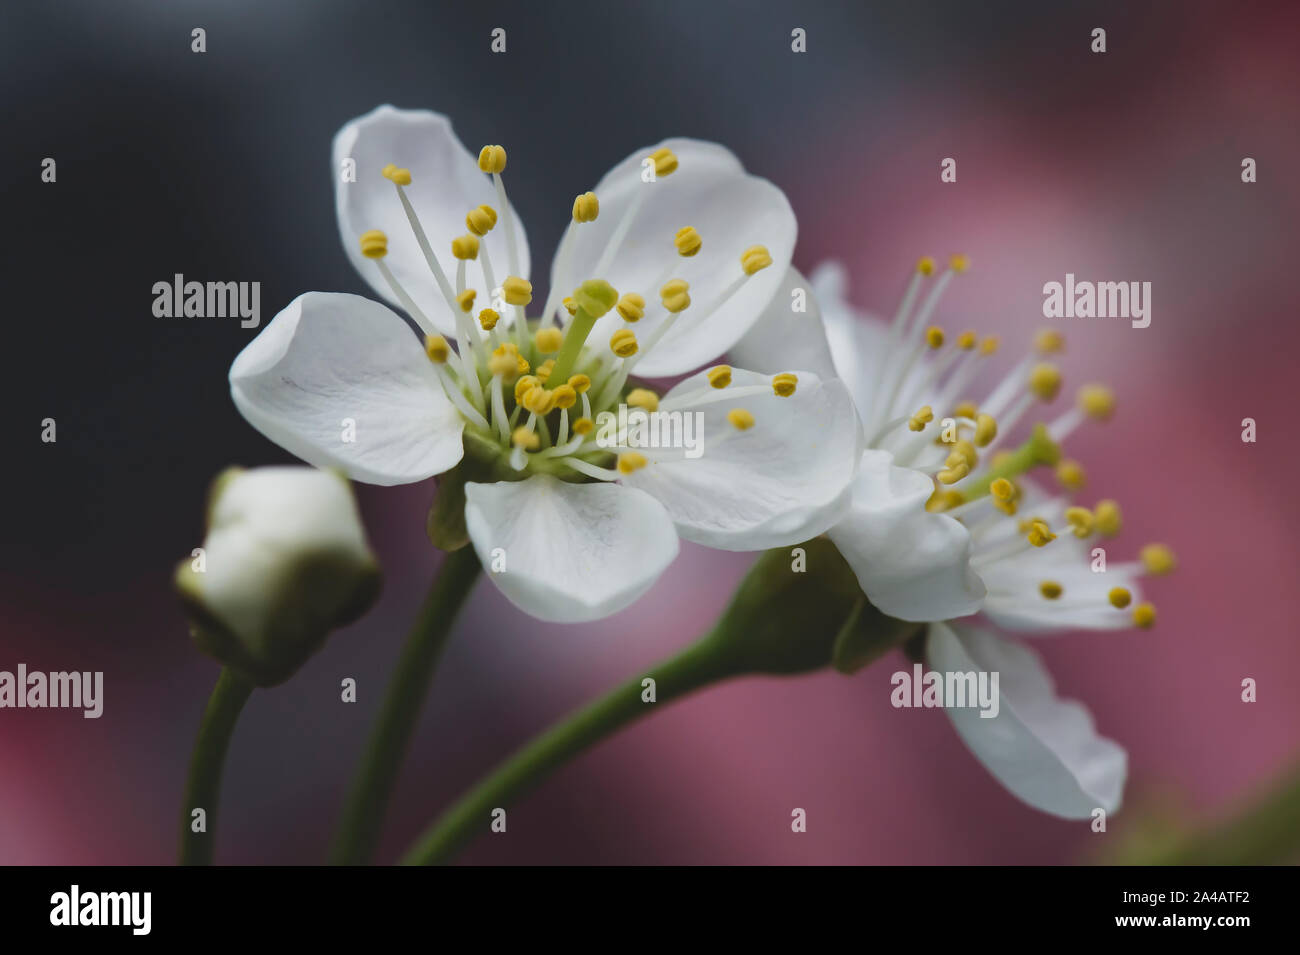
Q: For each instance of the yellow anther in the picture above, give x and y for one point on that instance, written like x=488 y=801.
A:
x=579 y=383
x=539 y=400
x=630 y=461
x=517 y=291
x=465 y=246
x=925 y=265
x=521 y=437
x=755 y=259
x=1097 y=402
x=1144 y=615
x=1109 y=521
x=675 y=295
x=1050 y=589
x=1119 y=597
x=986 y=429
x=569 y=304
x=436 y=347
x=643 y=398
x=955 y=471
x=1039 y=533
x=964 y=451
x=543 y=371
x=1049 y=341
x=784 y=384
x=1080 y=520
x=719 y=376
x=934 y=337
x=548 y=340
x=521 y=365
x=584 y=426
x=397 y=174
x=967 y=340
x=492 y=159
x=1158 y=559
x=586 y=207
x=623 y=343
x=966 y=409
x=944 y=499
x=1002 y=489
x=990 y=345
x=523 y=386
x=740 y=419
x=959 y=263
x=466 y=300
x=565 y=396
x=374 y=244
x=507 y=366
x=1070 y=475
x=488 y=319
x=632 y=307
x=924 y=415
x=595 y=297
x=687 y=241
x=1045 y=381
x=665 y=161
x=480 y=221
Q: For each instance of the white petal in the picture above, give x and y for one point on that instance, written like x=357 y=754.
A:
x=784 y=480
x=1044 y=749
x=783 y=338
x=572 y=552
x=912 y=564
x=730 y=209
x=1016 y=603
x=331 y=358
x=446 y=183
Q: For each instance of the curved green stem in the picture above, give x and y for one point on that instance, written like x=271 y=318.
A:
x=203 y=786
x=363 y=814
x=699 y=665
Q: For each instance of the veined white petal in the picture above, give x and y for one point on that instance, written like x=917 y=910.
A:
x=446 y=183
x=782 y=481
x=1045 y=750
x=730 y=209
x=783 y=338
x=341 y=381
x=572 y=552
x=911 y=563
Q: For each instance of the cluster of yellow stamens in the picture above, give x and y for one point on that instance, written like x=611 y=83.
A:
x=517 y=382
x=966 y=431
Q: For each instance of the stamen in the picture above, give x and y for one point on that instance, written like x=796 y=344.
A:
x=1158 y=559
x=918 y=421
x=687 y=241
x=436 y=347
x=643 y=398
x=1119 y=598
x=631 y=307
x=719 y=376
x=630 y=461
x=741 y=419
x=1050 y=589
x=594 y=298
x=1071 y=475
x=1109 y=522
x=1049 y=341
x=784 y=384
x=623 y=343
x=1080 y=520
x=1144 y=615
x=1040 y=535
x=548 y=340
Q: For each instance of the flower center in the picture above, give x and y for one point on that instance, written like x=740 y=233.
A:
x=532 y=390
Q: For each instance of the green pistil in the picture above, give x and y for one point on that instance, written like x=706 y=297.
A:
x=1039 y=449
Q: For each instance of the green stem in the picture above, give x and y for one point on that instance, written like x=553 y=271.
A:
x=363 y=814
x=203 y=787
x=697 y=666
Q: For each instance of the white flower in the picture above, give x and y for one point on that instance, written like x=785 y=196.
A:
x=285 y=561
x=943 y=526
x=582 y=530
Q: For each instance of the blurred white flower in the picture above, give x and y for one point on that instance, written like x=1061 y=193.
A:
x=943 y=525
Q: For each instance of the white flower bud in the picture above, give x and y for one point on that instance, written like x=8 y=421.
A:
x=284 y=563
